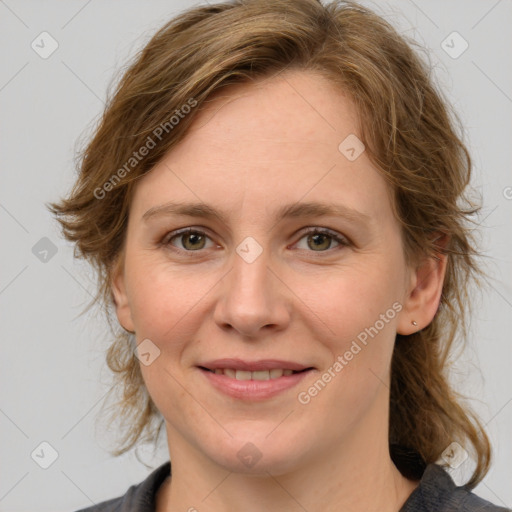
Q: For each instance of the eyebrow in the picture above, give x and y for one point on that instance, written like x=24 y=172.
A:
x=307 y=209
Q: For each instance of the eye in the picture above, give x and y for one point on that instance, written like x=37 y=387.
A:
x=190 y=239
x=320 y=240
x=194 y=240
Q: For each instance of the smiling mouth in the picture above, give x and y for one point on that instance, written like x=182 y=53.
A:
x=273 y=373
x=253 y=380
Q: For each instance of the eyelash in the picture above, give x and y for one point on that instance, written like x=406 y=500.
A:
x=166 y=240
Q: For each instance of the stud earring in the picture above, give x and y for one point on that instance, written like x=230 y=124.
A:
x=414 y=323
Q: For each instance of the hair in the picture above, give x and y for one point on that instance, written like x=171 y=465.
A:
x=410 y=135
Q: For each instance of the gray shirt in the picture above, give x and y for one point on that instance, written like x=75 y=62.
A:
x=436 y=492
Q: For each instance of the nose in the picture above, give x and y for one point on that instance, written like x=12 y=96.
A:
x=253 y=299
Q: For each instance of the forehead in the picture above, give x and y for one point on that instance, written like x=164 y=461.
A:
x=267 y=143
x=286 y=107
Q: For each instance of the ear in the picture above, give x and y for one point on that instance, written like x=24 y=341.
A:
x=122 y=305
x=424 y=292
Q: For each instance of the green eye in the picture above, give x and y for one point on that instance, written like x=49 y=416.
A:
x=320 y=240
x=194 y=240
x=191 y=240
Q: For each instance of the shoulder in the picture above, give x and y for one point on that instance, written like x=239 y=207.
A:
x=138 y=498
x=113 y=505
x=437 y=492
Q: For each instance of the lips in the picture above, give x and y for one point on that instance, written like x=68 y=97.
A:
x=253 y=366
x=274 y=373
x=253 y=380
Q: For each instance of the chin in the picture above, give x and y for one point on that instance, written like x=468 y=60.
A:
x=259 y=454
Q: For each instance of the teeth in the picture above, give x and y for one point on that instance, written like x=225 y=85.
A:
x=274 y=373
x=229 y=373
x=261 y=375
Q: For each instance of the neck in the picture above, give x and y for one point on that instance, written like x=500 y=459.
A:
x=358 y=476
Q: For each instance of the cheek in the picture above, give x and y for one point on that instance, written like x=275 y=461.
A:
x=162 y=298
x=361 y=310
x=354 y=299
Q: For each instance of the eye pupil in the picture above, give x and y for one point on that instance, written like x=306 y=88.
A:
x=319 y=238
x=194 y=238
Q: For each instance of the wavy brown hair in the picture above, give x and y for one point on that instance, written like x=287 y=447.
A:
x=410 y=134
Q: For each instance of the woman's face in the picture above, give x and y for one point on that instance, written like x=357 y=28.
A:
x=268 y=330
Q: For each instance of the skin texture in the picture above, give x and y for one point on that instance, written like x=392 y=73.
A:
x=252 y=149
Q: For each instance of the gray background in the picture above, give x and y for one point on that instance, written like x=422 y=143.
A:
x=53 y=377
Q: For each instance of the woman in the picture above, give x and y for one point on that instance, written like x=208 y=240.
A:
x=272 y=202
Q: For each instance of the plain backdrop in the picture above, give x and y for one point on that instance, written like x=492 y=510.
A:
x=53 y=376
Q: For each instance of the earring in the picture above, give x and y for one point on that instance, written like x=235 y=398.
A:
x=414 y=323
